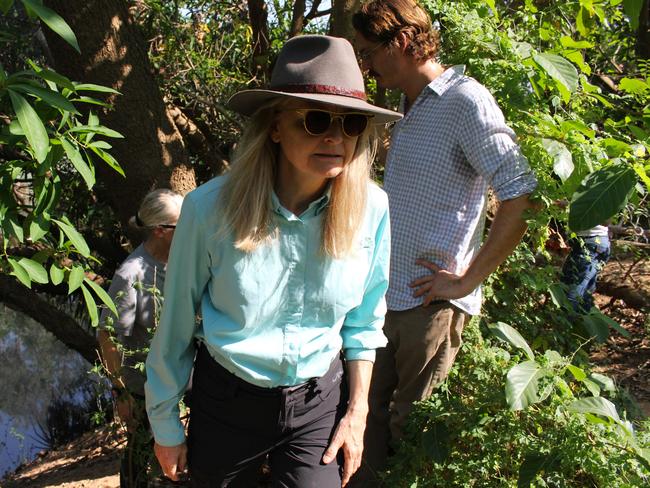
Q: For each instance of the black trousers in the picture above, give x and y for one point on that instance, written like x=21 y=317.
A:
x=234 y=426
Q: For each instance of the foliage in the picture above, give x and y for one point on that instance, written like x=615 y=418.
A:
x=49 y=144
x=466 y=434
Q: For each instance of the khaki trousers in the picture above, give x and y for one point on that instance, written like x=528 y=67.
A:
x=422 y=345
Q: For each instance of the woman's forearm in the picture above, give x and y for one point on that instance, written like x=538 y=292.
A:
x=359 y=375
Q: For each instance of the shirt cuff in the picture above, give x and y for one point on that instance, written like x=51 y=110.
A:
x=357 y=353
x=169 y=433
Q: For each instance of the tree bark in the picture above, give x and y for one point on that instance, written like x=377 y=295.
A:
x=61 y=325
x=113 y=53
x=341 y=19
x=258 y=17
x=643 y=34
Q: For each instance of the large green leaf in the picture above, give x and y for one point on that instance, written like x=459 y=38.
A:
x=632 y=9
x=54 y=21
x=56 y=274
x=91 y=306
x=97 y=129
x=20 y=272
x=50 y=96
x=562 y=159
x=78 y=162
x=634 y=86
x=596 y=406
x=31 y=124
x=75 y=238
x=95 y=88
x=560 y=69
x=601 y=196
x=521 y=385
x=75 y=278
x=5 y=5
x=54 y=77
x=510 y=335
x=435 y=442
x=103 y=296
x=35 y=270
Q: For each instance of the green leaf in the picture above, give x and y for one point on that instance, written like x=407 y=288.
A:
x=615 y=147
x=39 y=225
x=592 y=386
x=577 y=373
x=5 y=5
x=632 y=9
x=56 y=274
x=562 y=159
x=110 y=160
x=510 y=335
x=91 y=100
x=75 y=238
x=103 y=296
x=97 y=129
x=32 y=124
x=601 y=196
x=35 y=270
x=577 y=125
x=634 y=86
x=51 y=97
x=605 y=382
x=20 y=273
x=583 y=22
x=435 y=442
x=521 y=385
x=560 y=69
x=78 y=162
x=567 y=42
x=595 y=328
x=596 y=314
x=54 y=77
x=75 y=278
x=91 y=306
x=54 y=21
x=95 y=88
x=596 y=406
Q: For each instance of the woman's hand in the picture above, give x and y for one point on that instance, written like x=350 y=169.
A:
x=172 y=459
x=349 y=437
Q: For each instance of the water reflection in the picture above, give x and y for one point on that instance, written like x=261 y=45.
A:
x=36 y=370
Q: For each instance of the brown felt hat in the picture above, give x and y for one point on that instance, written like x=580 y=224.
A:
x=315 y=68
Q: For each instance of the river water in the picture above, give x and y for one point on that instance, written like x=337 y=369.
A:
x=35 y=370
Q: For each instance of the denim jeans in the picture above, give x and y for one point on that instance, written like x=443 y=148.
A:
x=587 y=257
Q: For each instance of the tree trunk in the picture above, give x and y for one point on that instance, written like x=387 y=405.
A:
x=258 y=17
x=297 y=18
x=114 y=53
x=341 y=19
x=643 y=34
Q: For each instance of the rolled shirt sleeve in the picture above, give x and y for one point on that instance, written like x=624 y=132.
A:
x=171 y=355
x=362 y=329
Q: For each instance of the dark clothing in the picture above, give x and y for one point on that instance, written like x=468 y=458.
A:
x=587 y=257
x=234 y=425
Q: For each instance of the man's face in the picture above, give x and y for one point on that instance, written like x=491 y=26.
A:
x=378 y=59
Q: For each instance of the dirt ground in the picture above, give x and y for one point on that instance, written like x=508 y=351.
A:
x=93 y=460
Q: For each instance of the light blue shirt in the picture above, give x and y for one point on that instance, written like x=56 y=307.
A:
x=277 y=316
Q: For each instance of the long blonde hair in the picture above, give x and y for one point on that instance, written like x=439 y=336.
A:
x=246 y=196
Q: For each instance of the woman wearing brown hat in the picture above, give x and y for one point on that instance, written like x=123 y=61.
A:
x=286 y=260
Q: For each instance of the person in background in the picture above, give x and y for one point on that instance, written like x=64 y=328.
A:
x=590 y=251
x=286 y=257
x=450 y=147
x=136 y=290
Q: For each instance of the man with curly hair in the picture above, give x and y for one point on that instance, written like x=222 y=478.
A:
x=450 y=147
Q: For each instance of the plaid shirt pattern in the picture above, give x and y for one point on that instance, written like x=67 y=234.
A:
x=451 y=146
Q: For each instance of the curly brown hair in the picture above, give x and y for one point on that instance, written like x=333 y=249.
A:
x=383 y=20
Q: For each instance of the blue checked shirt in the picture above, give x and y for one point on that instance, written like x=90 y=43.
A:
x=276 y=316
x=451 y=146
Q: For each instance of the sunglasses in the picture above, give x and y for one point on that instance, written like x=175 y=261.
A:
x=318 y=122
x=167 y=226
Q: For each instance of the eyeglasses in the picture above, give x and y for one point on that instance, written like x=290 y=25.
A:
x=167 y=226
x=365 y=54
x=318 y=122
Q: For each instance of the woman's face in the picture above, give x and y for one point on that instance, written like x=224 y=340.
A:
x=311 y=157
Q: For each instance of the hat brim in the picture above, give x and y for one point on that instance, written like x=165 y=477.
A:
x=247 y=102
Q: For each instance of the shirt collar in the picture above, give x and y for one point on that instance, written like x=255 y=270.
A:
x=447 y=79
x=315 y=208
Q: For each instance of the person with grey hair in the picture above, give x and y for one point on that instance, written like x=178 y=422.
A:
x=136 y=289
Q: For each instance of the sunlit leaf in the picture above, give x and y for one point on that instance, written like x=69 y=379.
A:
x=560 y=69
x=54 y=21
x=95 y=88
x=56 y=274
x=97 y=129
x=75 y=278
x=91 y=306
x=596 y=406
x=103 y=296
x=31 y=124
x=75 y=238
x=35 y=270
x=510 y=335
x=78 y=162
x=632 y=9
x=521 y=385
x=633 y=86
x=49 y=96
x=601 y=196
x=562 y=159
x=20 y=272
